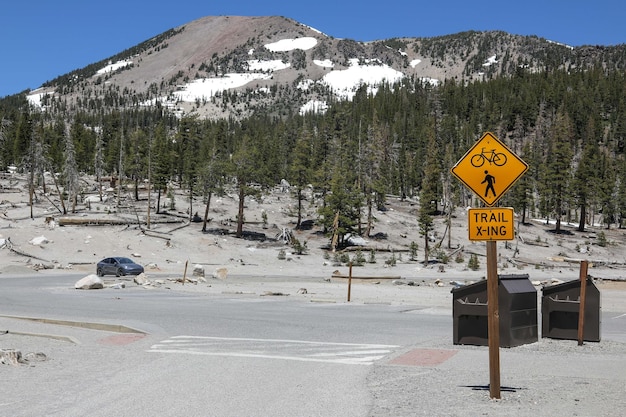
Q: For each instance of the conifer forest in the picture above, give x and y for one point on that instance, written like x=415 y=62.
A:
x=568 y=125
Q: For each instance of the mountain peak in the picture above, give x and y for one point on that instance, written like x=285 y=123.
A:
x=233 y=66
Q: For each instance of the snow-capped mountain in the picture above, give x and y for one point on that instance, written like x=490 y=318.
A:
x=233 y=66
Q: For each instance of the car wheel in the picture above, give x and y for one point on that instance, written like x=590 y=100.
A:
x=120 y=272
x=99 y=272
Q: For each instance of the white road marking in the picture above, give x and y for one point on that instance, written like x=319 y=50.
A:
x=285 y=349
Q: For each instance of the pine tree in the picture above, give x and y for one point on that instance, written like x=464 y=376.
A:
x=585 y=178
x=245 y=166
x=70 y=172
x=559 y=165
x=429 y=194
x=301 y=171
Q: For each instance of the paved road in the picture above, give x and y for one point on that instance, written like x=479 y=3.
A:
x=171 y=353
x=232 y=355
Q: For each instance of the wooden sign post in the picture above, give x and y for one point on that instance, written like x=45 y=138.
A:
x=489 y=169
x=493 y=319
x=584 y=267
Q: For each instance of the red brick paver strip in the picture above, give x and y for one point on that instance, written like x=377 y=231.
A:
x=423 y=357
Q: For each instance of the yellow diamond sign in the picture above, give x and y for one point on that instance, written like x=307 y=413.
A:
x=489 y=169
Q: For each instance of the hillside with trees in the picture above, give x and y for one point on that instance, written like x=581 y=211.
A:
x=568 y=124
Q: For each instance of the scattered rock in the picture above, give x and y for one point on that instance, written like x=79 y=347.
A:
x=10 y=357
x=220 y=273
x=273 y=293
x=15 y=357
x=302 y=291
x=35 y=357
x=90 y=282
x=140 y=279
x=39 y=240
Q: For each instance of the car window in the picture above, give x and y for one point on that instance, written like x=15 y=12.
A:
x=125 y=261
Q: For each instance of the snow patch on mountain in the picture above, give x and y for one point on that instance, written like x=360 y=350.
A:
x=285 y=45
x=114 y=66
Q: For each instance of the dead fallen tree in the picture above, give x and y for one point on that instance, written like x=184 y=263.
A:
x=597 y=262
x=84 y=221
x=373 y=248
x=9 y=246
x=337 y=275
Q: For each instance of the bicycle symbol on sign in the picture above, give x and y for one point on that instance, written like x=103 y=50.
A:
x=493 y=157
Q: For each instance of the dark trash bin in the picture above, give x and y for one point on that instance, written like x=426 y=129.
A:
x=560 y=305
x=517 y=306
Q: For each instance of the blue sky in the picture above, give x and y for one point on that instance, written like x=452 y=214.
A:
x=42 y=39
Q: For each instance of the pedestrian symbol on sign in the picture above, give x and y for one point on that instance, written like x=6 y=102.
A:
x=490 y=180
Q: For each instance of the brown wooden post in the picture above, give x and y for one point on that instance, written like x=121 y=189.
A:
x=493 y=319
x=349 y=281
x=584 y=265
x=185 y=272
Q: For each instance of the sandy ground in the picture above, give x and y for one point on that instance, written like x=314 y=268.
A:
x=172 y=243
x=172 y=248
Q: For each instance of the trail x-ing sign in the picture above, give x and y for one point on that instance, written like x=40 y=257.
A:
x=489 y=169
x=490 y=223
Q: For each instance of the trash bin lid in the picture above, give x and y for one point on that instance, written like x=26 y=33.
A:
x=516 y=284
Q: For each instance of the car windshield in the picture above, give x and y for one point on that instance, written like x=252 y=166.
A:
x=125 y=261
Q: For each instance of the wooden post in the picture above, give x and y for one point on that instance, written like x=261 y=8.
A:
x=185 y=273
x=493 y=320
x=584 y=265
x=349 y=281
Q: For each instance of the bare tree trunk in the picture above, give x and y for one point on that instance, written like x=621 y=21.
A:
x=242 y=196
x=56 y=185
x=190 y=202
x=299 y=208
x=206 y=211
x=581 y=221
x=31 y=191
x=368 y=228
x=158 y=203
x=449 y=227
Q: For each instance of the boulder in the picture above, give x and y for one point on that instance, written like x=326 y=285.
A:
x=90 y=282
x=95 y=199
x=140 y=279
x=220 y=273
x=39 y=240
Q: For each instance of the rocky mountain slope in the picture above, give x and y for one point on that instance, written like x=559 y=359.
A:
x=233 y=66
